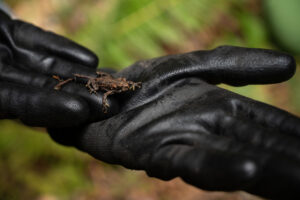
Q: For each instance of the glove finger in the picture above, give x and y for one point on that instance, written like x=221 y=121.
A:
x=4 y=16
x=46 y=83
x=37 y=107
x=50 y=64
x=268 y=116
x=226 y=64
x=209 y=162
x=229 y=167
x=279 y=179
x=242 y=66
x=29 y=37
x=250 y=132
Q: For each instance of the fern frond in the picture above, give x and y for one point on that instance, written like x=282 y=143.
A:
x=140 y=29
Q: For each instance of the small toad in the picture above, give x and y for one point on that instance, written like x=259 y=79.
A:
x=103 y=81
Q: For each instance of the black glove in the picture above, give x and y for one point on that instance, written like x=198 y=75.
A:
x=180 y=125
x=29 y=57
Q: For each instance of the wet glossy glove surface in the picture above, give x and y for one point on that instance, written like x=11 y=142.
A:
x=29 y=57
x=180 y=124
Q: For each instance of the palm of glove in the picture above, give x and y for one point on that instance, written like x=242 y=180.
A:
x=179 y=124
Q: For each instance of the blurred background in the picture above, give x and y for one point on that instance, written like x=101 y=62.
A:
x=121 y=32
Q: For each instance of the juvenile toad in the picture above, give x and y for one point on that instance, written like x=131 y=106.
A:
x=104 y=82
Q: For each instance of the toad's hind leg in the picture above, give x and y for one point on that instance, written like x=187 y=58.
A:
x=61 y=82
x=83 y=76
x=134 y=85
x=105 y=104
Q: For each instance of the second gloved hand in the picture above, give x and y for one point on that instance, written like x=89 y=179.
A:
x=29 y=57
x=181 y=125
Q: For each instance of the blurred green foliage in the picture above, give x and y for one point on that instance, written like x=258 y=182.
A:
x=283 y=17
x=133 y=29
x=121 y=32
x=31 y=164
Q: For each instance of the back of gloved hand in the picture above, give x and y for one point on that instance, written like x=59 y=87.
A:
x=181 y=125
x=29 y=57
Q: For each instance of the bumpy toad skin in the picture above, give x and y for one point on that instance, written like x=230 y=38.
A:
x=103 y=81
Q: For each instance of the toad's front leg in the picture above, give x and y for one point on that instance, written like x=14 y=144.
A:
x=90 y=85
x=105 y=104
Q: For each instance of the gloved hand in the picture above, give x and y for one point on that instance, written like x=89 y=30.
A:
x=29 y=57
x=181 y=125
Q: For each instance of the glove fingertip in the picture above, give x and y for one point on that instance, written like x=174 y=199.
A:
x=4 y=15
x=73 y=111
x=243 y=66
x=87 y=57
x=278 y=67
x=77 y=109
x=288 y=66
x=62 y=136
x=33 y=38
